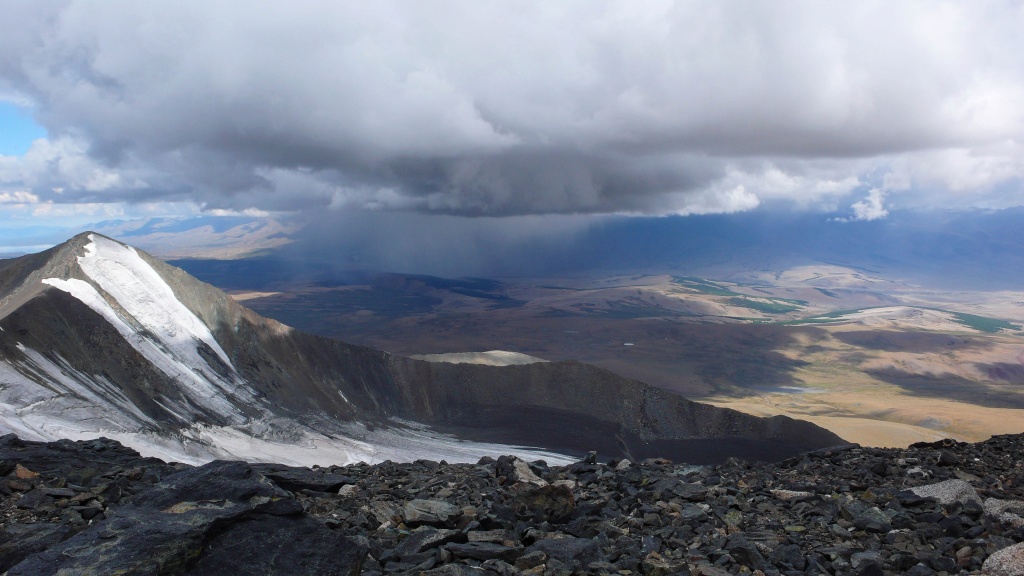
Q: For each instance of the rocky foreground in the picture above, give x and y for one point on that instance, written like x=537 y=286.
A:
x=96 y=507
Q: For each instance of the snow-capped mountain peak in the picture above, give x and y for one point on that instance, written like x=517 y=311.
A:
x=135 y=299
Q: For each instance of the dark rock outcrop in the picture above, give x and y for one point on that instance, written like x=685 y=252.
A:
x=223 y=517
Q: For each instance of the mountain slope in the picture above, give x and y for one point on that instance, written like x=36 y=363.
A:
x=99 y=338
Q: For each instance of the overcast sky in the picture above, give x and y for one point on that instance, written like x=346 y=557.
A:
x=528 y=109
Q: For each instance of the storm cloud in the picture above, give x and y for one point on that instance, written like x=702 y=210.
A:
x=503 y=109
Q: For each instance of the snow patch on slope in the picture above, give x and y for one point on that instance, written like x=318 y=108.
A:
x=197 y=383
x=62 y=409
x=490 y=358
x=97 y=391
x=307 y=447
x=19 y=395
x=139 y=289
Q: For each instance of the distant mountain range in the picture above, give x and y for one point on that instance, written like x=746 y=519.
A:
x=978 y=249
x=214 y=237
x=100 y=339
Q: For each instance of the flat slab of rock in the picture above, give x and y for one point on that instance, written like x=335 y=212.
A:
x=949 y=492
x=80 y=462
x=200 y=521
x=295 y=479
x=272 y=545
x=19 y=541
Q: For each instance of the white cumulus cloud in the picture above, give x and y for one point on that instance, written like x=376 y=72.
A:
x=870 y=208
x=18 y=197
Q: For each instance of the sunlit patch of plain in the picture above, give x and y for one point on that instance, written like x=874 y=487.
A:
x=17 y=130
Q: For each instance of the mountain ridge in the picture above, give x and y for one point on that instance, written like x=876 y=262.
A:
x=153 y=351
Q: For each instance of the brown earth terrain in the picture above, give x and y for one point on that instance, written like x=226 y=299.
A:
x=876 y=361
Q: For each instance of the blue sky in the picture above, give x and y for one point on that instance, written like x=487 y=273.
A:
x=17 y=130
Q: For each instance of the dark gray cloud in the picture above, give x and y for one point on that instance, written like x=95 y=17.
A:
x=446 y=245
x=519 y=108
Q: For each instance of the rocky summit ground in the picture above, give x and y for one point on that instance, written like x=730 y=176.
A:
x=96 y=507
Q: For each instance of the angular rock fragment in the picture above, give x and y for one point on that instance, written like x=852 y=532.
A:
x=517 y=470
x=23 y=473
x=543 y=503
x=580 y=551
x=1006 y=562
x=746 y=553
x=655 y=564
x=33 y=499
x=1010 y=512
x=433 y=512
x=426 y=538
x=484 y=551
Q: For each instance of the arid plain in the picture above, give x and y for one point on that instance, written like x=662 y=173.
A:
x=877 y=361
